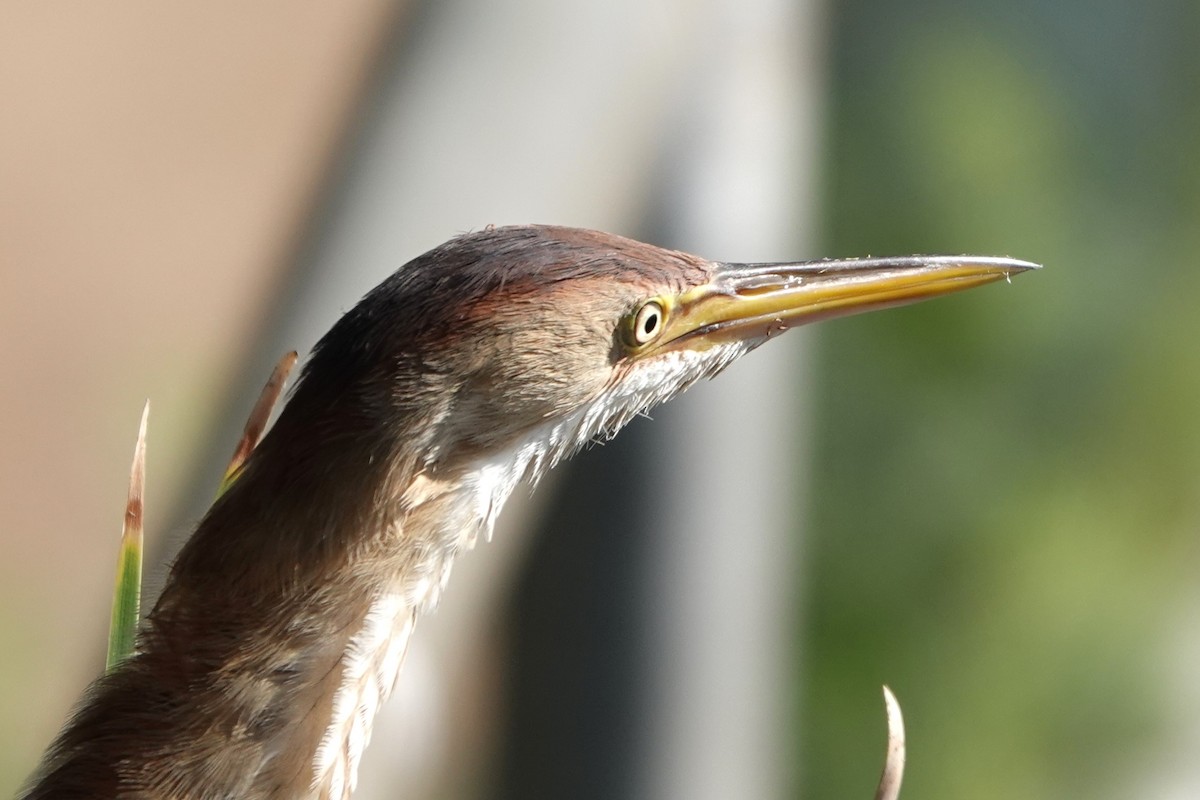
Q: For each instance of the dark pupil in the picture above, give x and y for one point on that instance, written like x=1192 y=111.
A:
x=650 y=324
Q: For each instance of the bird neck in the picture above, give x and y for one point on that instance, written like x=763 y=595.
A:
x=279 y=634
x=339 y=580
x=287 y=616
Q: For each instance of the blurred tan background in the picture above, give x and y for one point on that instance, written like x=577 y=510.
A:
x=155 y=165
x=994 y=498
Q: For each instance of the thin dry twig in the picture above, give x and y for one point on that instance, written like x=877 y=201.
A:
x=257 y=423
x=893 y=766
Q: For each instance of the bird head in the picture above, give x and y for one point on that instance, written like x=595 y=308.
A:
x=545 y=338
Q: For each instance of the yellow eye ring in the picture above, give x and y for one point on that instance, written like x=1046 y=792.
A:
x=647 y=323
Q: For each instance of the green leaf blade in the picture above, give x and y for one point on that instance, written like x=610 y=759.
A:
x=127 y=595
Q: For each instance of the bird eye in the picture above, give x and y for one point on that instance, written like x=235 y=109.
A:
x=647 y=323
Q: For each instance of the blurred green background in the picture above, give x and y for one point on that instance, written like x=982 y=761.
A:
x=1007 y=490
x=1005 y=494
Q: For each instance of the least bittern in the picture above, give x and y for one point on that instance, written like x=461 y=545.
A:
x=476 y=366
